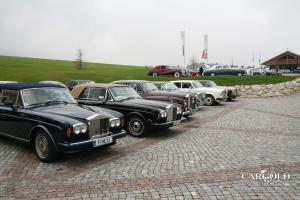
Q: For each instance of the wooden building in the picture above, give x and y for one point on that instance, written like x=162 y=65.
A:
x=286 y=60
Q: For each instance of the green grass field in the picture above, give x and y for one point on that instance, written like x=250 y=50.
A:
x=23 y=69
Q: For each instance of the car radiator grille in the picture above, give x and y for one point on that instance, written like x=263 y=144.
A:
x=229 y=93
x=174 y=113
x=98 y=126
x=193 y=104
x=170 y=113
x=190 y=102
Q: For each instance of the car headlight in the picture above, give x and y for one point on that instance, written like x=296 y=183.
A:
x=118 y=122
x=179 y=111
x=163 y=114
x=80 y=128
x=185 y=103
x=223 y=93
x=115 y=122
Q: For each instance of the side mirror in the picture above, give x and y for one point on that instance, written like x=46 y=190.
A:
x=10 y=103
x=101 y=98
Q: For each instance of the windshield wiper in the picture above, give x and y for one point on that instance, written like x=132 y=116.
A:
x=55 y=102
x=36 y=104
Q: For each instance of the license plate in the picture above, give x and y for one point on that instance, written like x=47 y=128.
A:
x=175 y=123
x=102 y=141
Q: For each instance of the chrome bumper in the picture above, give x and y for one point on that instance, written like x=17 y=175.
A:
x=88 y=143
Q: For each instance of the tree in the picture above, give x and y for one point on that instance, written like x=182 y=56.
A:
x=79 y=62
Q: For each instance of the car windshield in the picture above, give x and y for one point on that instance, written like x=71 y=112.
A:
x=149 y=87
x=170 y=86
x=211 y=84
x=197 y=84
x=124 y=93
x=43 y=96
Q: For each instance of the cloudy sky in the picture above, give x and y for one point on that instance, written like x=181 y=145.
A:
x=147 y=32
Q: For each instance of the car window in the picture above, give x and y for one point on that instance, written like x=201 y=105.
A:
x=10 y=95
x=72 y=83
x=186 y=85
x=178 y=84
x=159 y=86
x=95 y=93
x=84 y=94
x=108 y=96
x=163 y=67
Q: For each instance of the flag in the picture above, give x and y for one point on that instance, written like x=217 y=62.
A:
x=204 y=54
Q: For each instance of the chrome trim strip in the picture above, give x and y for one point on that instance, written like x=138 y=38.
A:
x=93 y=116
x=32 y=120
x=16 y=138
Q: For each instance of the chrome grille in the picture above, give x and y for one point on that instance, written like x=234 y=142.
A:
x=98 y=126
x=104 y=125
x=170 y=113
x=189 y=102
x=174 y=113
x=193 y=105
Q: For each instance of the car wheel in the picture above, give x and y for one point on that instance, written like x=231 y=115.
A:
x=212 y=74
x=239 y=74
x=136 y=126
x=177 y=74
x=209 y=100
x=44 y=147
x=154 y=74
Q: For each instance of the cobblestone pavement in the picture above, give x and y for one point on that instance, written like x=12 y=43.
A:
x=224 y=152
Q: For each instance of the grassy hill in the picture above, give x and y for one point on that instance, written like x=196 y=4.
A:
x=23 y=69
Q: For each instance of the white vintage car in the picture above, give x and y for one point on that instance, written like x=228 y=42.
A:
x=232 y=92
x=213 y=95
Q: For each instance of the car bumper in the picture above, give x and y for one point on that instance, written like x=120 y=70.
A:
x=187 y=113
x=88 y=144
x=222 y=99
x=167 y=124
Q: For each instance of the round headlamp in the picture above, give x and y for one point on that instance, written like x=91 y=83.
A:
x=179 y=111
x=80 y=128
x=76 y=129
x=163 y=114
x=117 y=122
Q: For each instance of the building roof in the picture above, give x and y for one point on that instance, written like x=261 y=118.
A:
x=21 y=86
x=285 y=58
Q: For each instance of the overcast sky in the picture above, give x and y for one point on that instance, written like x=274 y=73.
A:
x=147 y=32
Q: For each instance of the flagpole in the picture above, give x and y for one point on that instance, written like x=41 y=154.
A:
x=182 y=33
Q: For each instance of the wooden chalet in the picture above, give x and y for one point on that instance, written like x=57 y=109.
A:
x=286 y=60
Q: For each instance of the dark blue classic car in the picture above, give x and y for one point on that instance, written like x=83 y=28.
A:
x=48 y=117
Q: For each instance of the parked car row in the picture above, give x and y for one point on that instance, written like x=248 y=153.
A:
x=166 y=70
x=86 y=115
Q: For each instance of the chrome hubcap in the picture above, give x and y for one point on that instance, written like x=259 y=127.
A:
x=41 y=145
x=136 y=127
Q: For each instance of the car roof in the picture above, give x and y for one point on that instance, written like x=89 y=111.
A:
x=183 y=81
x=79 y=88
x=21 y=86
x=204 y=80
x=82 y=81
x=131 y=81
